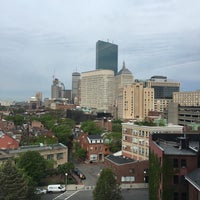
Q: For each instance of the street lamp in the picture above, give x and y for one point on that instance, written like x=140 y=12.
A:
x=66 y=174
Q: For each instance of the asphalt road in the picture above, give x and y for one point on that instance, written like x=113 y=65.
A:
x=87 y=195
x=91 y=172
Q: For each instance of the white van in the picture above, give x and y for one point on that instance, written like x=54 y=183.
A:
x=56 y=188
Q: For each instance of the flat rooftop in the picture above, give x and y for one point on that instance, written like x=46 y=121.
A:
x=120 y=160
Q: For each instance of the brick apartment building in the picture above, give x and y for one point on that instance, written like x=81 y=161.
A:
x=95 y=147
x=128 y=171
x=173 y=166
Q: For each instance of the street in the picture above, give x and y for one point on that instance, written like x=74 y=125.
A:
x=130 y=194
x=84 y=191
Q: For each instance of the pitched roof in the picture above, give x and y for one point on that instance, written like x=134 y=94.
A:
x=194 y=178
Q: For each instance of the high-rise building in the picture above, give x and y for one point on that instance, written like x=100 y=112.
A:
x=163 y=88
x=55 y=89
x=75 y=85
x=97 y=90
x=124 y=77
x=163 y=91
x=107 y=56
x=137 y=101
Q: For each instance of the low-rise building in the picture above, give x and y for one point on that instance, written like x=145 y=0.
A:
x=95 y=147
x=173 y=160
x=128 y=171
x=7 y=142
x=56 y=152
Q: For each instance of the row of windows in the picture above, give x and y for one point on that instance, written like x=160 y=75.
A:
x=59 y=156
x=179 y=163
x=181 y=196
x=95 y=148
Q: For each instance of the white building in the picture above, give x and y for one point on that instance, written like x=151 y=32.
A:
x=97 y=90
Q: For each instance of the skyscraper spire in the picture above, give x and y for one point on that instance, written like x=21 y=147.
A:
x=123 y=67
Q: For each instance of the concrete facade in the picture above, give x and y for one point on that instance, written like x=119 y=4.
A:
x=137 y=101
x=97 y=90
x=187 y=98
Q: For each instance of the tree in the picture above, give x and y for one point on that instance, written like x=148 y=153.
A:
x=13 y=184
x=114 y=141
x=78 y=152
x=91 y=128
x=107 y=187
x=33 y=164
x=65 y=168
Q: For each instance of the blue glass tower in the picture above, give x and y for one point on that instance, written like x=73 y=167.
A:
x=107 y=56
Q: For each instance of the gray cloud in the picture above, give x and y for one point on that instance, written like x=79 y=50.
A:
x=42 y=38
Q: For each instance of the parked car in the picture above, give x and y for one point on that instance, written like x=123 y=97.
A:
x=40 y=191
x=79 y=174
x=56 y=188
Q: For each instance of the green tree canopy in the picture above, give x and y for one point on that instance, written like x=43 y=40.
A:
x=107 y=187
x=66 y=168
x=114 y=141
x=78 y=152
x=13 y=185
x=33 y=164
x=91 y=128
x=17 y=119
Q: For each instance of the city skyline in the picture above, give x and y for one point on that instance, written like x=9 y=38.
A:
x=40 y=40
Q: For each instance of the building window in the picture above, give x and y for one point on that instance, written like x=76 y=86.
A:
x=183 y=181
x=50 y=157
x=59 y=156
x=176 y=181
x=183 y=163
x=176 y=196
x=131 y=171
x=183 y=196
x=175 y=163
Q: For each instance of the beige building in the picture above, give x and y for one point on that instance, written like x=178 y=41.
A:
x=97 y=90
x=187 y=98
x=137 y=101
x=135 y=138
x=56 y=152
x=124 y=77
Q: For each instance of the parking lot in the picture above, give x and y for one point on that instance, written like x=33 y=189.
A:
x=84 y=190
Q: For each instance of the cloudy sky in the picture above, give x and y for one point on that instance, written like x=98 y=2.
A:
x=42 y=38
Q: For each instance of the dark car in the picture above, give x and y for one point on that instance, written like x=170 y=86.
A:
x=79 y=174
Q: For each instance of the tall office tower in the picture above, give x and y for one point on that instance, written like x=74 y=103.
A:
x=97 y=90
x=124 y=77
x=163 y=91
x=137 y=101
x=107 y=56
x=75 y=85
x=56 y=89
x=38 y=96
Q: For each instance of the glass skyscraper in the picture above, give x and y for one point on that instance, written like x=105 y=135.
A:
x=107 y=56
